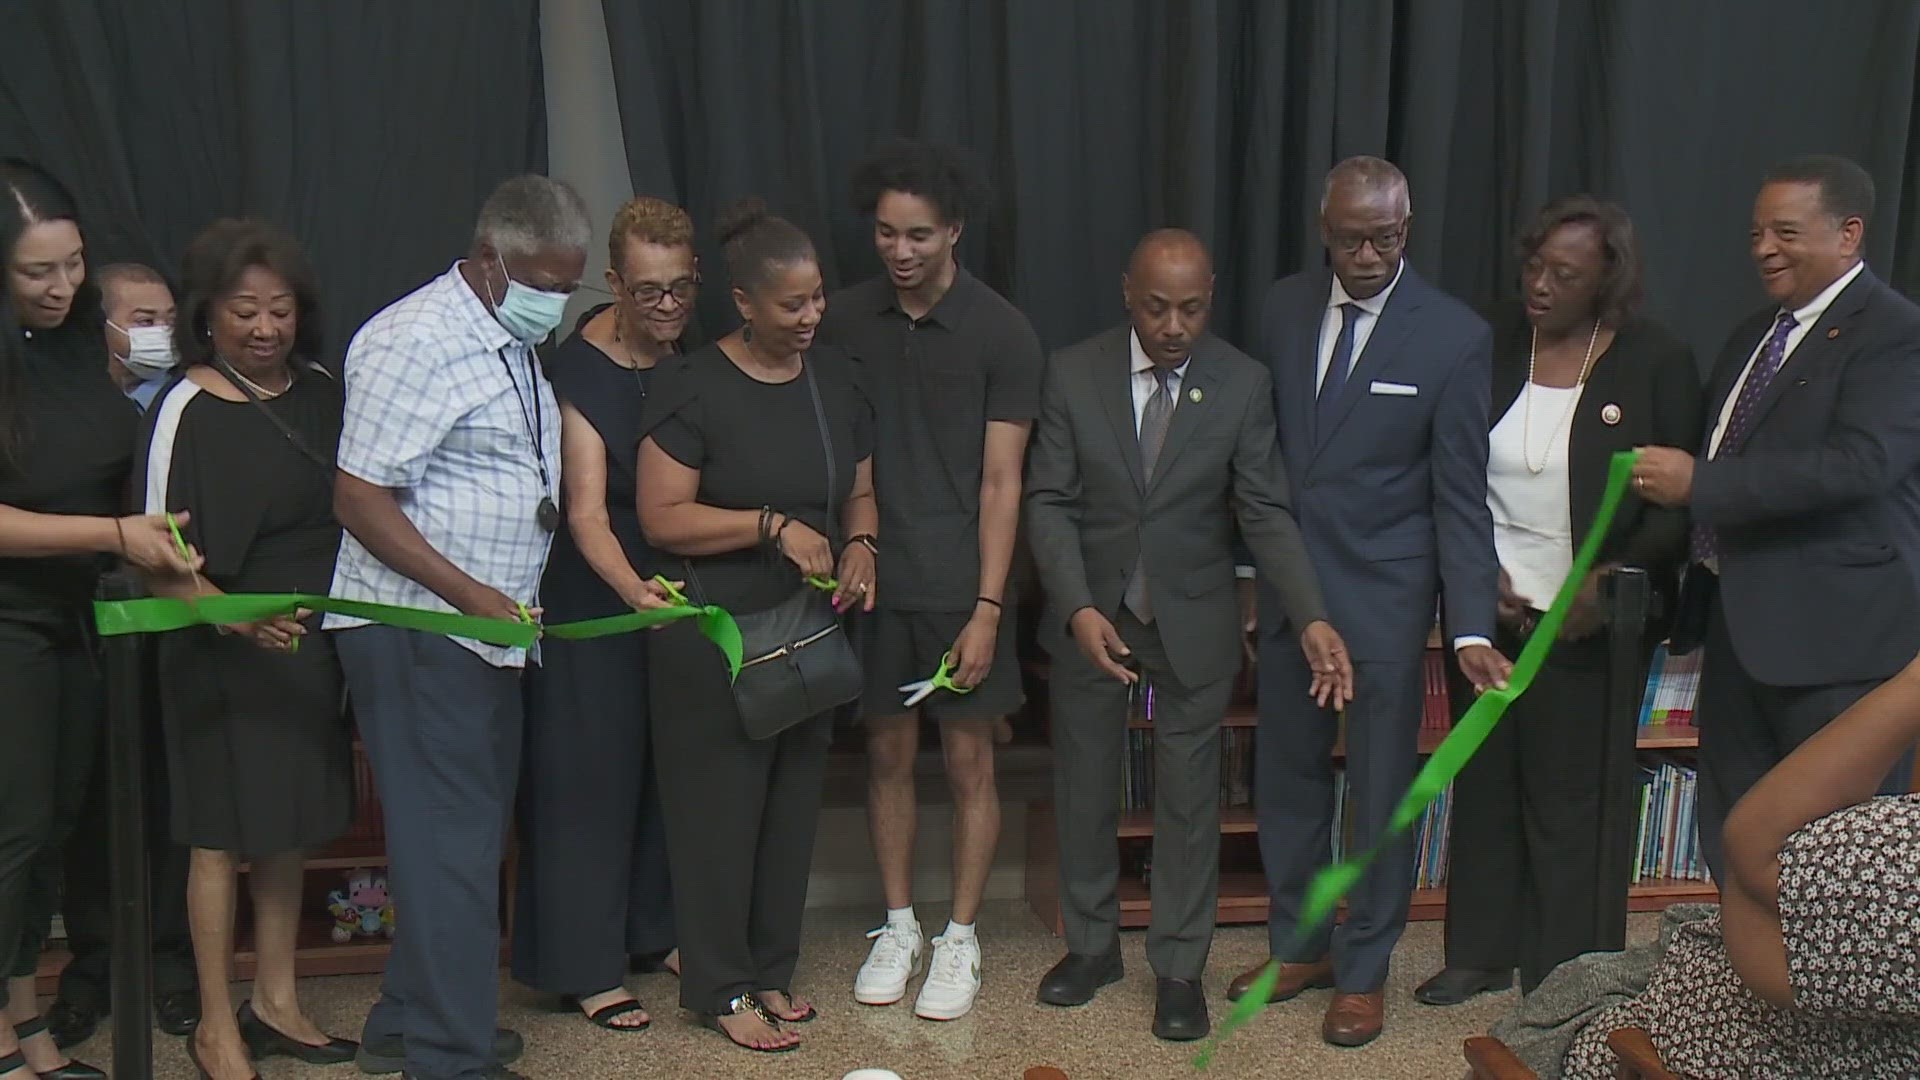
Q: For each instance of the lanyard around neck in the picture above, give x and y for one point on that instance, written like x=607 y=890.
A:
x=530 y=416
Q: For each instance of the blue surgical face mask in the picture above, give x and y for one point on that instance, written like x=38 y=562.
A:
x=150 y=352
x=529 y=314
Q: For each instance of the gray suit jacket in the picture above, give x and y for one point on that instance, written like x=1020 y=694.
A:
x=1090 y=512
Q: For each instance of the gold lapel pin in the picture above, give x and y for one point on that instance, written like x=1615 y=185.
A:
x=1610 y=414
x=1194 y=395
x=1833 y=333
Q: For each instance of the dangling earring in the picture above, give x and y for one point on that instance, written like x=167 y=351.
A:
x=746 y=333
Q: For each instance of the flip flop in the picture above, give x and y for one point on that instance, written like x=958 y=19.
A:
x=605 y=1016
x=811 y=1013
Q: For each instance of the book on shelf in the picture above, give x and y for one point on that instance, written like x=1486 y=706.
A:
x=1668 y=844
x=1673 y=682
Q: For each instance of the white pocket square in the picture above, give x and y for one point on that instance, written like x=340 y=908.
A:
x=1393 y=389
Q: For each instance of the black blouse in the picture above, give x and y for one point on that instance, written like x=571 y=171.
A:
x=74 y=451
x=758 y=444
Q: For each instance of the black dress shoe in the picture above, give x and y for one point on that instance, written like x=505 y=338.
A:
x=177 y=1012
x=1077 y=977
x=70 y=1024
x=1179 y=1010
x=1456 y=985
x=387 y=1054
x=264 y=1041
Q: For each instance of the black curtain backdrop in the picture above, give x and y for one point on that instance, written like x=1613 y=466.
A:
x=372 y=130
x=1103 y=118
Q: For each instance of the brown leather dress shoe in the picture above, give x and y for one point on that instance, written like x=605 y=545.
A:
x=1294 y=978
x=1354 y=1019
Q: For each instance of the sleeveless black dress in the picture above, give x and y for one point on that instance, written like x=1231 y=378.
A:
x=594 y=883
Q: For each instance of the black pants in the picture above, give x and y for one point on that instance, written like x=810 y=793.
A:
x=740 y=819
x=1090 y=735
x=1747 y=727
x=54 y=706
x=86 y=902
x=1526 y=870
x=593 y=885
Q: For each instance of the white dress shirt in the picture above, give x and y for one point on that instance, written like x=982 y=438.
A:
x=1804 y=319
x=1144 y=383
x=1363 y=324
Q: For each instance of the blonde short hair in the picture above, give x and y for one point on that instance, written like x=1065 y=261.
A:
x=655 y=221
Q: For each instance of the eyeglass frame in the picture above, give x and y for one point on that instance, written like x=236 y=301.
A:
x=690 y=285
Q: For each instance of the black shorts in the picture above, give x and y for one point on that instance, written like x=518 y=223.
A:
x=906 y=646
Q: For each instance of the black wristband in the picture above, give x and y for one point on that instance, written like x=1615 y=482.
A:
x=978 y=600
x=866 y=540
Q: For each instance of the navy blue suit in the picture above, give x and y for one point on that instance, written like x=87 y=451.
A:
x=1392 y=503
x=1817 y=600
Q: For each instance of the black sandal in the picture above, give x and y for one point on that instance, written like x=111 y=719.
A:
x=743 y=1004
x=809 y=1015
x=605 y=1015
x=74 y=1069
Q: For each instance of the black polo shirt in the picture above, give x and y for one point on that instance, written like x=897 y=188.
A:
x=935 y=382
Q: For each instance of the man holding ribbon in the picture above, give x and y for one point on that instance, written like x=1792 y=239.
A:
x=1806 y=501
x=449 y=473
x=1381 y=384
x=1155 y=444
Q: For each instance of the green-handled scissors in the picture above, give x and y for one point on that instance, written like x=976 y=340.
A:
x=918 y=692
x=673 y=591
x=186 y=555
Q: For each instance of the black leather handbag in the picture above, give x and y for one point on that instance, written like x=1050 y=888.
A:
x=796 y=660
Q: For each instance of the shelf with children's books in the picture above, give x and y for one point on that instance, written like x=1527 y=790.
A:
x=1668 y=869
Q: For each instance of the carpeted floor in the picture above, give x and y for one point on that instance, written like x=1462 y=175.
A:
x=1006 y=1034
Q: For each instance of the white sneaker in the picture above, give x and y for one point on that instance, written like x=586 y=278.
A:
x=894 y=959
x=953 y=979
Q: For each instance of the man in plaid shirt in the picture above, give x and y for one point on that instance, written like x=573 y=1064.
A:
x=448 y=490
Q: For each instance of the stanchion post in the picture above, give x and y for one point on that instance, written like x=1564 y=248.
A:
x=1629 y=603
x=132 y=986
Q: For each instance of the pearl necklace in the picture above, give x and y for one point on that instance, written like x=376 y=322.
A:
x=1526 y=419
x=257 y=388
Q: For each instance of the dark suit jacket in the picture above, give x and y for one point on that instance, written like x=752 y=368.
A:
x=1393 y=501
x=1090 y=513
x=1648 y=378
x=1818 y=514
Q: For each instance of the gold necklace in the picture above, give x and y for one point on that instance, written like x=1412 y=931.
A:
x=1526 y=418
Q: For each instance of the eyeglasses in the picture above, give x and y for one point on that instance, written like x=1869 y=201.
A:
x=1386 y=242
x=651 y=295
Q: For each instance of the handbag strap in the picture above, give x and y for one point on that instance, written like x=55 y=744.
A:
x=233 y=377
x=833 y=475
x=826 y=443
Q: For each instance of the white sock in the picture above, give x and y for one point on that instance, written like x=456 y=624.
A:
x=957 y=932
x=902 y=916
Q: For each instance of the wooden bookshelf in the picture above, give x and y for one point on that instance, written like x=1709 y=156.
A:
x=1243 y=892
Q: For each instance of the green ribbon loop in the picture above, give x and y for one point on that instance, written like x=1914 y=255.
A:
x=1453 y=753
x=154 y=615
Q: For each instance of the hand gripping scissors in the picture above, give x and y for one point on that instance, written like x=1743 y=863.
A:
x=918 y=692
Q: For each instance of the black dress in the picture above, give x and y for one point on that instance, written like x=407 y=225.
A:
x=593 y=884
x=258 y=750
x=741 y=812
x=75 y=434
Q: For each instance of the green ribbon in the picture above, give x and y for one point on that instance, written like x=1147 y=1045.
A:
x=1453 y=753
x=155 y=615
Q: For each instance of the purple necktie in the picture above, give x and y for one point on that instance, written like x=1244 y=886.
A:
x=1773 y=354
